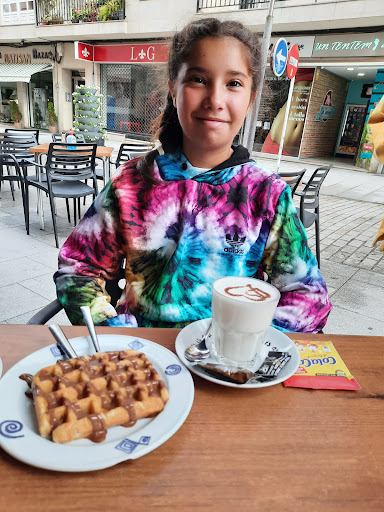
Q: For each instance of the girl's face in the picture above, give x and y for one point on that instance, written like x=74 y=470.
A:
x=212 y=95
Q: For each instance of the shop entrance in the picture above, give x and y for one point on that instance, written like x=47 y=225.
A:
x=360 y=82
x=40 y=93
x=8 y=92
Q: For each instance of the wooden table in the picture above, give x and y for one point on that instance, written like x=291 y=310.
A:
x=103 y=152
x=274 y=449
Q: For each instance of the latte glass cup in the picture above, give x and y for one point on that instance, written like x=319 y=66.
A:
x=242 y=311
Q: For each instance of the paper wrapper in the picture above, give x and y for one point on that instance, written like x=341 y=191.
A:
x=321 y=367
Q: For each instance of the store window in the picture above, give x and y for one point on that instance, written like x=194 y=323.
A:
x=16 y=12
x=40 y=93
x=133 y=96
x=8 y=92
x=272 y=112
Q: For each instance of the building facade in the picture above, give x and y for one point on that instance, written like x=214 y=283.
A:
x=123 y=47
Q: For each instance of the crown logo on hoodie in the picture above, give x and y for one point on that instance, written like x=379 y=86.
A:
x=235 y=241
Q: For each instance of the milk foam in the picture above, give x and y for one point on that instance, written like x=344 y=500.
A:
x=246 y=289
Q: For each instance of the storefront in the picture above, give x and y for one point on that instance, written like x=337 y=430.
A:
x=26 y=78
x=336 y=87
x=131 y=82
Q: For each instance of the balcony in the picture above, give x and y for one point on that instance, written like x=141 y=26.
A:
x=231 y=4
x=63 y=12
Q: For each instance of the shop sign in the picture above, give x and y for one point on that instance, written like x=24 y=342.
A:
x=37 y=55
x=305 y=44
x=124 y=53
x=84 y=51
x=349 y=45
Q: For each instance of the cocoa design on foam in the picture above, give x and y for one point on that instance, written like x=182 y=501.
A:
x=249 y=292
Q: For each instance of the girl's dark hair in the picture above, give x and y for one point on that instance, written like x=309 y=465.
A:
x=167 y=126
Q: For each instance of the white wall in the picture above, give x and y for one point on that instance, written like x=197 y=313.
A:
x=160 y=18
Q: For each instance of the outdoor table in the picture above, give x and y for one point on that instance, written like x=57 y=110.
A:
x=274 y=448
x=103 y=152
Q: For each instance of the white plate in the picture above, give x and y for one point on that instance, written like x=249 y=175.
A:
x=18 y=429
x=274 y=341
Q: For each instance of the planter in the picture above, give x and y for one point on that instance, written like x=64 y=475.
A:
x=99 y=142
x=86 y=114
x=89 y=121
x=52 y=129
x=18 y=126
x=87 y=99
x=86 y=107
x=83 y=90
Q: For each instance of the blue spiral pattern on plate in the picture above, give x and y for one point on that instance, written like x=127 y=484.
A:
x=136 y=345
x=56 y=351
x=9 y=428
x=127 y=445
x=173 y=369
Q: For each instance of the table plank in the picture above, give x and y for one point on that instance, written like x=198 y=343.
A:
x=101 y=151
x=273 y=449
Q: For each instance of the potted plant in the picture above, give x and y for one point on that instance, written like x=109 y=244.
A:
x=16 y=115
x=52 y=119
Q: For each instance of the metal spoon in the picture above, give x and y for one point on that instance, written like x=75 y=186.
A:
x=198 y=351
x=62 y=341
x=86 y=310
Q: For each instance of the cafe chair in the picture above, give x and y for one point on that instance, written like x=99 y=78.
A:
x=9 y=162
x=128 y=151
x=309 y=210
x=18 y=145
x=24 y=131
x=293 y=179
x=65 y=170
x=113 y=287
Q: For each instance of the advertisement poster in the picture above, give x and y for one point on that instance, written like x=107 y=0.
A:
x=270 y=129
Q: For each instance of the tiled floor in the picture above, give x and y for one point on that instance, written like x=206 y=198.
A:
x=352 y=207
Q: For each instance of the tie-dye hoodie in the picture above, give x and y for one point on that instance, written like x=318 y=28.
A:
x=183 y=233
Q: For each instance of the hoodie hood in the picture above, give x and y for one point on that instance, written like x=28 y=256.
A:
x=175 y=166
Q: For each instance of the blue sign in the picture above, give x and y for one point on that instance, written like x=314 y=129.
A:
x=279 y=56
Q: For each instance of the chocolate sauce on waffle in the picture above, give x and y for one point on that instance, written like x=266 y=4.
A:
x=90 y=387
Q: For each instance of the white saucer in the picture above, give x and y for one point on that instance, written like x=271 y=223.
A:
x=274 y=341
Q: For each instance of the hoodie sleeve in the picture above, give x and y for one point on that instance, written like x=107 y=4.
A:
x=90 y=256
x=291 y=267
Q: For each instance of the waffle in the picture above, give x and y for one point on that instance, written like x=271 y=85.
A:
x=82 y=397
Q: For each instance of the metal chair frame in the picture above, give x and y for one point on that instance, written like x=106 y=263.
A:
x=66 y=169
x=294 y=179
x=10 y=161
x=309 y=210
x=130 y=150
x=24 y=131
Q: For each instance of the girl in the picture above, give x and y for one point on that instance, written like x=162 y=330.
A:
x=196 y=208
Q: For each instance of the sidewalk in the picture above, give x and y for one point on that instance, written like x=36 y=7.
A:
x=351 y=206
